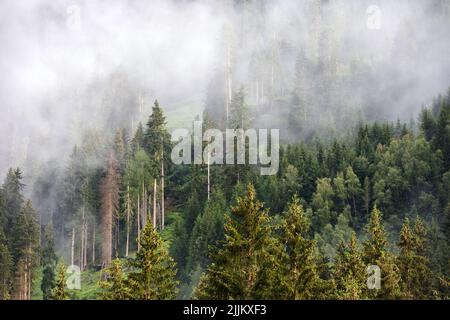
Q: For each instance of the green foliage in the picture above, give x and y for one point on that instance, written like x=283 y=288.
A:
x=323 y=204
x=156 y=137
x=246 y=266
x=349 y=271
x=301 y=279
x=376 y=253
x=154 y=272
x=207 y=232
x=59 y=292
x=413 y=262
x=116 y=286
x=48 y=262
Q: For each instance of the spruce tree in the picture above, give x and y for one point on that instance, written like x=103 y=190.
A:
x=414 y=265
x=5 y=268
x=301 y=279
x=247 y=266
x=25 y=238
x=5 y=257
x=156 y=137
x=48 y=262
x=59 y=292
x=13 y=199
x=154 y=275
x=207 y=231
x=116 y=286
x=376 y=253
x=349 y=271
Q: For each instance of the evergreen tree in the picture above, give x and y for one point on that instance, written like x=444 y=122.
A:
x=301 y=279
x=5 y=268
x=323 y=204
x=349 y=271
x=110 y=208
x=138 y=140
x=25 y=251
x=207 y=232
x=5 y=257
x=116 y=286
x=427 y=124
x=154 y=275
x=247 y=266
x=413 y=263
x=13 y=199
x=239 y=115
x=59 y=292
x=442 y=137
x=48 y=262
x=376 y=253
x=156 y=137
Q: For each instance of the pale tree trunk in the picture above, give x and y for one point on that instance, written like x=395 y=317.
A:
x=139 y=222
x=154 y=203
x=144 y=206
x=162 y=190
x=24 y=288
x=209 y=186
x=262 y=91
x=257 y=91
x=72 y=247
x=149 y=206
x=118 y=235
x=229 y=79
x=29 y=274
x=93 y=243
x=128 y=221
x=85 y=243
x=82 y=239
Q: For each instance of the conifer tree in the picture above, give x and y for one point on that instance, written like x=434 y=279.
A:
x=5 y=268
x=48 y=262
x=138 y=140
x=376 y=253
x=116 y=286
x=13 y=199
x=413 y=263
x=5 y=257
x=109 y=208
x=302 y=277
x=207 y=231
x=247 y=267
x=349 y=271
x=154 y=275
x=59 y=292
x=156 y=137
x=25 y=251
x=157 y=143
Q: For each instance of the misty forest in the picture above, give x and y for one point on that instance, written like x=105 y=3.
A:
x=93 y=207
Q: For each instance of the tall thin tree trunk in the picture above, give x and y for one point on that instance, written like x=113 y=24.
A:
x=144 y=206
x=93 y=243
x=162 y=190
x=154 y=202
x=118 y=235
x=82 y=239
x=228 y=81
x=257 y=91
x=29 y=273
x=209 y=185
x=85 y=243
x=128 y=221
x=139 y=222
x=72 y=247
